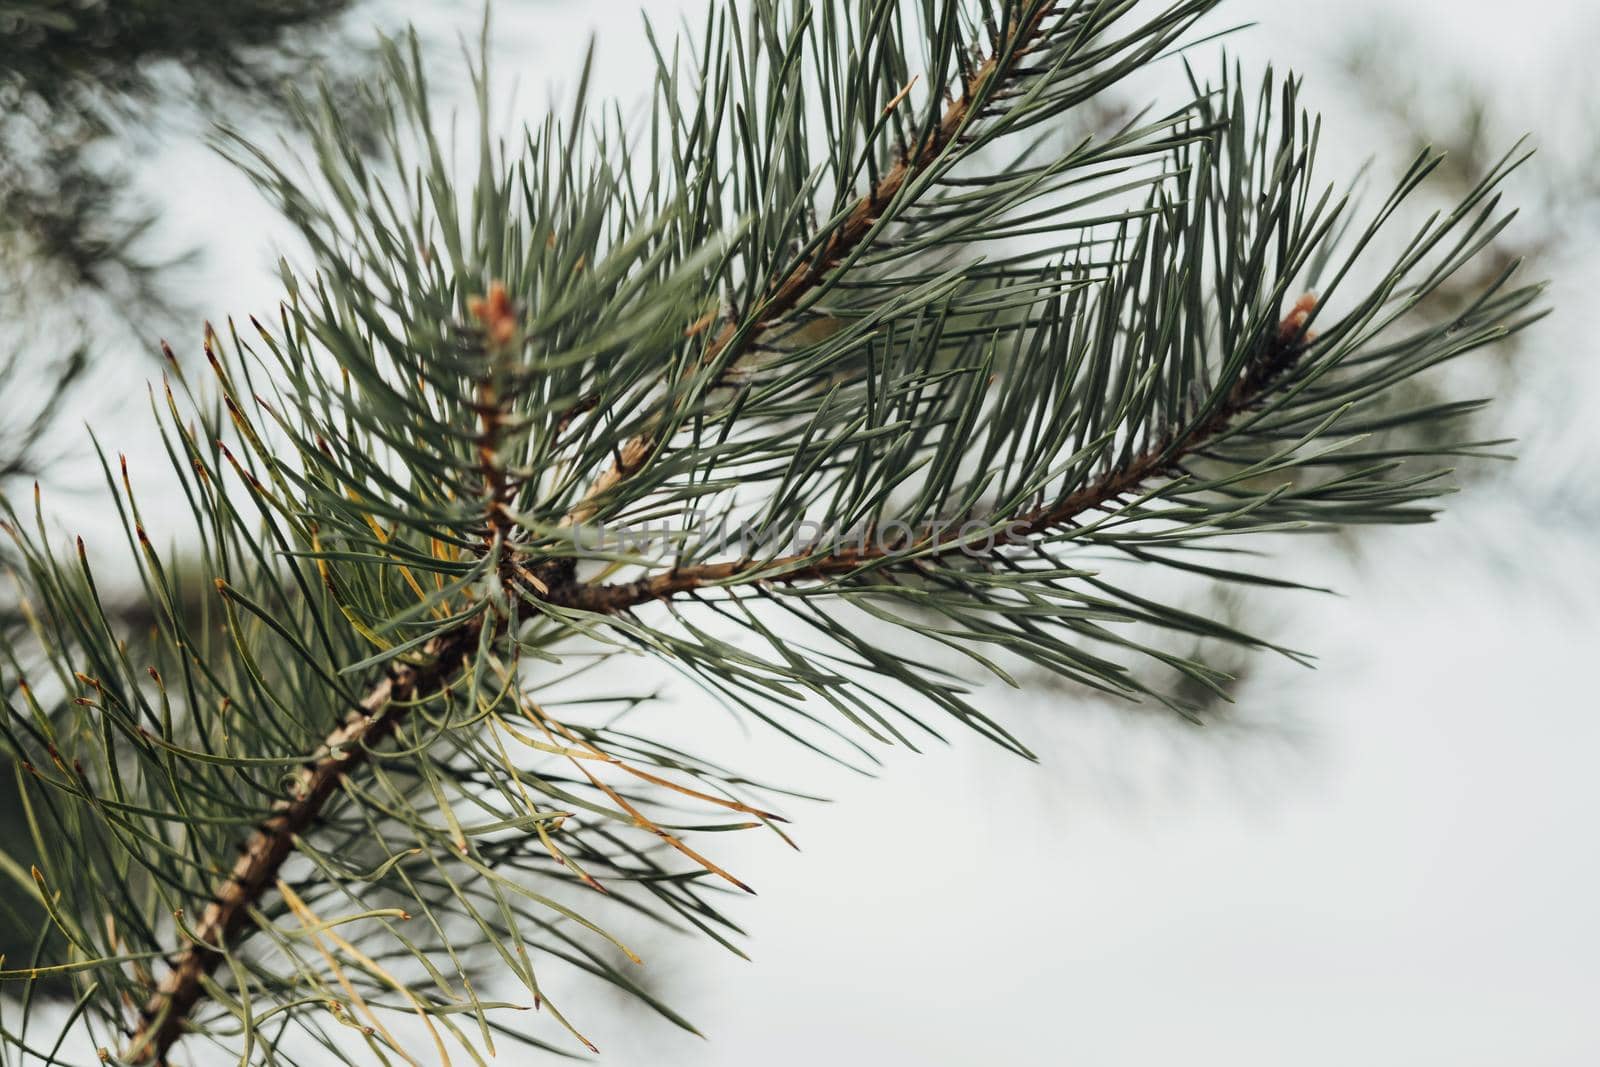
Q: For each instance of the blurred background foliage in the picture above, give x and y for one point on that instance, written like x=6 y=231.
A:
x=80 y=85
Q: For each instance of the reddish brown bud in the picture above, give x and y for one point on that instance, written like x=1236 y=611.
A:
x=495 y=313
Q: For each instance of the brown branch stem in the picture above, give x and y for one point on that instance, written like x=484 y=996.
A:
x=262 y=856
x=1277 y=355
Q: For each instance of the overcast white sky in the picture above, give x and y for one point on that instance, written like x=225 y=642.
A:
x=1400 y=868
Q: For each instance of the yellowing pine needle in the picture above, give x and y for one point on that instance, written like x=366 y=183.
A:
x=496 y=723
x=899 y=98
x=300 y=909
x=383 y=538
x=327 y=581
x=640 y=819
x=312 y=925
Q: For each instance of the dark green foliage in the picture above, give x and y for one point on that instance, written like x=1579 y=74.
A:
x=373 y=772
x=75 y=77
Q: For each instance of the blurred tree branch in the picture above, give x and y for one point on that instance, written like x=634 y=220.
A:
x=80 y=84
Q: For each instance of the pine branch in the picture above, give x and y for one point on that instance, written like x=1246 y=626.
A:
x=345 y=749
x=263 y=855
x=989 y=77
x=256 y=871
x=376 y=720
x=349 y=746
x=1276 y=356
x=398 y=491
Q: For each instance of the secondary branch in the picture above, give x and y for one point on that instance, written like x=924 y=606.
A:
x=735 y=337
x=1277 y=355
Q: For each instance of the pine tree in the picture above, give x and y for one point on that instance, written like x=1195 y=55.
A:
x=882 y=358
